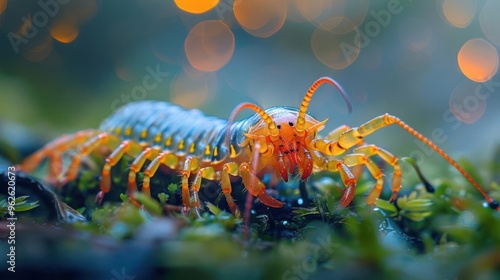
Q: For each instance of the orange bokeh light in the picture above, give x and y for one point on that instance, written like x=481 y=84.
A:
x=209 y=45
x=261 y=18
x=311 y=10
x=40 y=50
x=3 y=6
x=459 y=13
x=466 y=103
x=196 y=7
x=349 y=14
x=478 y=60
x=189 y=92
x=64 y=31
x=334 y=47
x=356 y=11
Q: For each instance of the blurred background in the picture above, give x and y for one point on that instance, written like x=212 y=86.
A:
x=66 y=65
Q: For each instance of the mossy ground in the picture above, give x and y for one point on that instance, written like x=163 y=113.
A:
x=447 y=234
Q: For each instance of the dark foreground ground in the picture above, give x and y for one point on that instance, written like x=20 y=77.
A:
x=445 y=234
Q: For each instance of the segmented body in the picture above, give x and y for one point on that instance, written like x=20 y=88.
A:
x=283 y=140
x=177 y=130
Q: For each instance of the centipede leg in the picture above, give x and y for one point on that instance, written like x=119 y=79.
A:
x=54 y=151
x=189 y=165
x=164 y=158
x=55 y=166
x=126 y=147
x=103 y=139
x=347 y=177
x=334 y=135
x=361 y=159
x=370 y=150
x=204 y=173
x=354 y=136
x=230 y=168
x=149 y=153
x=255 y=186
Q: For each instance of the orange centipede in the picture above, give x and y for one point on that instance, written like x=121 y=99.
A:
x=281 y=140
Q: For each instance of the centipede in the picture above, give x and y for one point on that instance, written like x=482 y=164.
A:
x=283 y=141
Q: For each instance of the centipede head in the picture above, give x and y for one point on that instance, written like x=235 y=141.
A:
x=287 y=151
x=283 y=135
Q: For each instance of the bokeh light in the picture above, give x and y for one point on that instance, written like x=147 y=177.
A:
x=459 y=13
x=124 y=71
x=333 y=47
x=192 y=72
x=64 y=31
x=467 y=103
x=80 y=11
x=3 y=6
x=478 y=60
x=196 y=7
x=356 y=10
x=209 y=45
x=261 y=18
x=189 y=92
x=317 y=12
x=312 y=10
x=39 y=49
x=391 y=47
x=490 y=21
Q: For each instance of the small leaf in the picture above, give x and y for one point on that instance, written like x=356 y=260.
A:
x=387 y=207
x=416 y=216
x=172 y=188
x=418 y=205
x=163 y=198
x=150 y=204
x=402 y=201
x=412 y=196
x=21 y=205
x=306 y=211
x=124 y=197
x=213 y=209
x=330 y=204
x=26 y=206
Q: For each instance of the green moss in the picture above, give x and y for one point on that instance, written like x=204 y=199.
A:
x=447 y=233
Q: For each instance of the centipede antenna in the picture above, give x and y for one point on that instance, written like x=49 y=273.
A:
x=492 y=203
x=265 y=117
x=307 y=99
